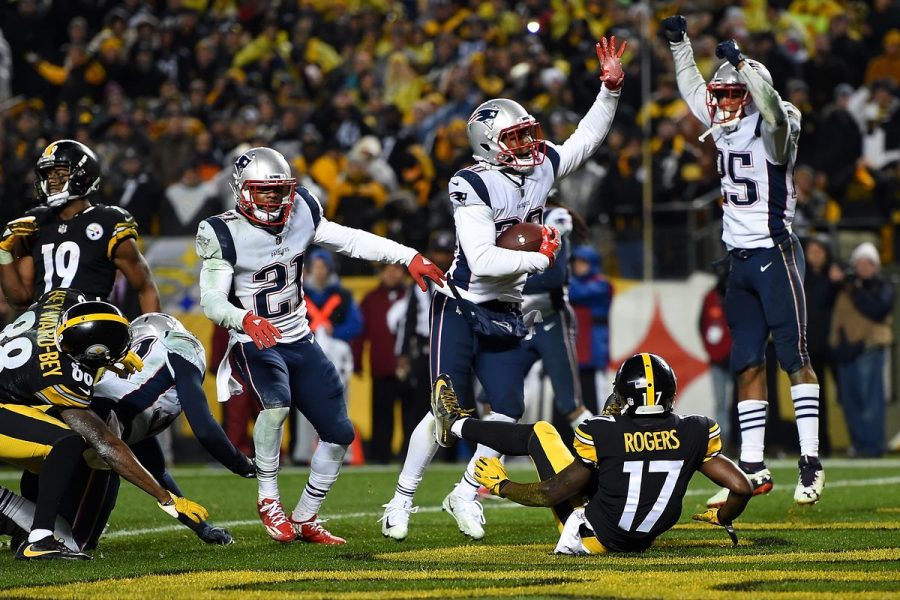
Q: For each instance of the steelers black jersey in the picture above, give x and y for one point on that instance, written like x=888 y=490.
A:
x=78 y=253
x=33 y=371
x=643 y=467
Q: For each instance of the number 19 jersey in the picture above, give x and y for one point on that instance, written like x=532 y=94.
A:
x=644 y=465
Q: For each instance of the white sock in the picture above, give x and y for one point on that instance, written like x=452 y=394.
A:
x=752 y=419
x=806 y=410
x=468 y=487
x=21 y=511
x=267 y=445
x=38 y=534
x=581 y=418
x=323 y=472
x=422 y=448
x=456 y=428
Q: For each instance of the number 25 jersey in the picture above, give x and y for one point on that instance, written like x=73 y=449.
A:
x=644 y=465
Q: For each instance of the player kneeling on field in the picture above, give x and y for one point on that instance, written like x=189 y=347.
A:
x=636 y=461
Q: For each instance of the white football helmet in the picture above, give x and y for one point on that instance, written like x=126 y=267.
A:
x=155 y=324
x=503 y=134
x=727 y=97
x=257 y=171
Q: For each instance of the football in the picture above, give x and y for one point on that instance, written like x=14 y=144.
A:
x=525 y=237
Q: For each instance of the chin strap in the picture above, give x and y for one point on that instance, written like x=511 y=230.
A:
x=717 y=127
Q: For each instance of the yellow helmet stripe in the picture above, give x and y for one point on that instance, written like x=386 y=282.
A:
x=93 y=317
x=648 y=375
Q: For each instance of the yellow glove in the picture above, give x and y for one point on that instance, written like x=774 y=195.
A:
x=711 y=516
x=490 y=473
x=130 y=365
x=177 y=506
x=14 y=231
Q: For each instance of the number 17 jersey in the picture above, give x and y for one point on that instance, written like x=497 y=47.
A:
x=644 y=465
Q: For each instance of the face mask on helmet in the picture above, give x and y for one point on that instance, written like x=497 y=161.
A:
x=522 y=146
x=726 y=102
x=263 y=187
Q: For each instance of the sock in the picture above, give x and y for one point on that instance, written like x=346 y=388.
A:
x=752 y=419
x=422 y=448
x=456 y=428
x=507 y=438
x=267 y=445
x=21 y=512
x=56 y=473
x=38 y=534
x=581 y=418
x=806 y=410
x=468 y=487
x=323 y=472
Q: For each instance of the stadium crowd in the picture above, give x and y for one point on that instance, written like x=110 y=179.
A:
x=369 y=101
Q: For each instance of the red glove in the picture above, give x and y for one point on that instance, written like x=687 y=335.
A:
x=420 y=268
x=550 y=242
x=611 y=73
x=263 y=333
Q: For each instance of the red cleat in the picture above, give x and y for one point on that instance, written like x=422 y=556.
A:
x=311 y=531
x=276 y=522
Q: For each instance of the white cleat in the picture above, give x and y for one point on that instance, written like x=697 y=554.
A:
x=395 y=520
x=469 y=515
x=811 y=482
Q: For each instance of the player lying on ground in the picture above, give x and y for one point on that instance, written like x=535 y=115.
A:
x=252 y=284
x=634 y=463
x=756 y=136
x=54 y=352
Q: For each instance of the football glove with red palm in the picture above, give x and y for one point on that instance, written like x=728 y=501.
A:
x=420 y=268
x=550 y=243
x=263 y=333
x=611 y=73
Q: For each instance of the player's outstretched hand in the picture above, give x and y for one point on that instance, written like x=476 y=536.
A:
x=611 y=73
x=263 y=333
x=712 y=517
x=420 y=268
x=674 y=28
x=490 y=473
x=177 y=505
x=550 y=242
x=14 y=231
x=730 y=51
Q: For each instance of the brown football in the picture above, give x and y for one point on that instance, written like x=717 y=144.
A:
x=523 y=236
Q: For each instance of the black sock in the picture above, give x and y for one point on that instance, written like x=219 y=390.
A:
x=510 y=439
x=54 y=479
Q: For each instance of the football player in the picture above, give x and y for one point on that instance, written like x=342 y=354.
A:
x=51 y=357
x=514 y=172
x=634 y=463
x=68 y=241
x=251 y=283
x=756 y=135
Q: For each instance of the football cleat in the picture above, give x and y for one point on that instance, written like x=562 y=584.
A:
x=312 y=532
x=446 y=410
x=760 y=479
x=271 y=512
x=395 y=520
x=48 y=548
x=469 y=515
x=811 y=482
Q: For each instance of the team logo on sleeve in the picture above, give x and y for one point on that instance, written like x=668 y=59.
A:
x=94 y=231
x=459 y=197
x=486 y=116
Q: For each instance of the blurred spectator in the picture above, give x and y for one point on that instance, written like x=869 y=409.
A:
x=329 y=305
x=886 y=65
x=716 y=339
x=811 y=202
x=6 y=65
x=621 y=194
x=877 y=111
x=839 y=140
x=188 y=201
x=391 y=290
x=821 y=291
x=860 y=333
x=133 y=187
x=591 y=296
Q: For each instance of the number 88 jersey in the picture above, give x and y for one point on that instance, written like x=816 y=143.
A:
x=78 y=253
x=33 y=371
x=644 y=465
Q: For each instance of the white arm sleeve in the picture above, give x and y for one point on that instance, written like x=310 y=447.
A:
x=780 y=128
x=215 y=281
x=591 y=132
x=476 y=234
x=691 y=84
x=361 y=244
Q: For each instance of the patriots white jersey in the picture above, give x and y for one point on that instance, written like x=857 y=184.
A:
x=513 y=198
x=759 y=199
x=146 y=401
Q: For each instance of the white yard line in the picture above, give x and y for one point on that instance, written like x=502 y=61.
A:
x=488 y=505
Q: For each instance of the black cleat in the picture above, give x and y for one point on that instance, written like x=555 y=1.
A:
x=446 y=410
x=48 y=548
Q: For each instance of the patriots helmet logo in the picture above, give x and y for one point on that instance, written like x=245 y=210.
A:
x=241 y=163
x=486 y=116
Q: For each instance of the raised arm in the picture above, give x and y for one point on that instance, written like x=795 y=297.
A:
x=691 y=84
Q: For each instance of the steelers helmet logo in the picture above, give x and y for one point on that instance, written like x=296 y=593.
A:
x=94 y=231
x=97 y=351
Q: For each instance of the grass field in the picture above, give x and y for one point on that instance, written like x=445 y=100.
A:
x=847 y=546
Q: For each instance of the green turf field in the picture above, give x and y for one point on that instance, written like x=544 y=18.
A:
x=847 y=546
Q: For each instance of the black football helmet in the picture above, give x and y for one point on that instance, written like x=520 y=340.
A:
x=94 y=334
x=645 y=385
x=84 y=172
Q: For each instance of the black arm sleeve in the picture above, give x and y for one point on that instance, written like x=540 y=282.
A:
x=189 y=385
